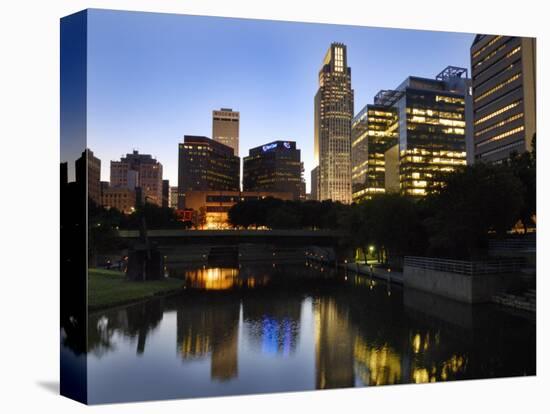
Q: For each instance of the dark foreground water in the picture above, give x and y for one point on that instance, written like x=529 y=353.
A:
x=291 y=328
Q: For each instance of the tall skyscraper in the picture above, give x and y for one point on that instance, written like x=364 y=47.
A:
x=88 y=169
x=274 y=167
x=504 y=94
x=139 y=170
x=225 y=128
x=205 y=164
x=333 y=116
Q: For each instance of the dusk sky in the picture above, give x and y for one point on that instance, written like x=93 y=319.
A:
x=153 y=78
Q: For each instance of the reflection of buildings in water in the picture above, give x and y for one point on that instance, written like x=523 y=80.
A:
x=427 y=363
x=217 y=278
x=210 y=327
x=273 y=322
x=135 y=321
x=334 y=344
x=377 y=365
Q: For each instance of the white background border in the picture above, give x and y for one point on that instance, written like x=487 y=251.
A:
x=29 y=136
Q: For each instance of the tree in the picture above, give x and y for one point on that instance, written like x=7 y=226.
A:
x=198 y=219
x=480 y=199
x=524 y=167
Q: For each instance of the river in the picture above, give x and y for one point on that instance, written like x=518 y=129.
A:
x=267 y=328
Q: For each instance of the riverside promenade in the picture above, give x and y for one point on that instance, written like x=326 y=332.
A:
x=375 y=272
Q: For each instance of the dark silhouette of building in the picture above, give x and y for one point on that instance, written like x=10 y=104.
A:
x=165 y=193
x=88 y=170
x=205 y=164
x=504 y=95
x=274 y=167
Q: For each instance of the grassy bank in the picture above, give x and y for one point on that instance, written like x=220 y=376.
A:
x=109 y=288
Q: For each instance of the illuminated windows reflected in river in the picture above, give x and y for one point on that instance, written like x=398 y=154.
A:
x=262 y=329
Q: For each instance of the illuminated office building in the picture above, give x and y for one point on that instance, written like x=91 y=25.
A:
x=504 y=95
x=374 y=131
x=225 y=128
x=434 y=118
x=274 y=167
x=205 y=164
x=333 y=115
x=216 y=204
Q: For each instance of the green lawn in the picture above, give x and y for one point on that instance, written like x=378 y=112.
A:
x=108 y=288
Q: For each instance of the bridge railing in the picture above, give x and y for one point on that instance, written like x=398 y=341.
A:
x=465 y=267
x=523 y=244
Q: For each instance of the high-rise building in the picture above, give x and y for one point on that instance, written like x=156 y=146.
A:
x=225 y=128
x=414 y=135
x=504 y=95
x=333 y=116
x=165 y=193
x=374 y=131
x=435 y=122
x=174 y=197
x=139 y=170
x=88 y=169
x=205 y=164
x=274 y=167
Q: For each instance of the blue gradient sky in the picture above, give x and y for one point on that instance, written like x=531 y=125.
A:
x=153 y=78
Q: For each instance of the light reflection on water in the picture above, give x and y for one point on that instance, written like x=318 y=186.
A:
x=262 y=330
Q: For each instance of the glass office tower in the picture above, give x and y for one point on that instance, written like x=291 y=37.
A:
x=374 y=130
x=434 y=125
x=412 y=135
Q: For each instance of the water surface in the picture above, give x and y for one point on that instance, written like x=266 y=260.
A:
x=265 y=328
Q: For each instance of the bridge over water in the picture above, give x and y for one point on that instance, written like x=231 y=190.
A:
x=234 y=237
x=273 y=245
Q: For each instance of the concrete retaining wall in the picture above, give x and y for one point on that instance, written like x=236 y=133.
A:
x=464 y=288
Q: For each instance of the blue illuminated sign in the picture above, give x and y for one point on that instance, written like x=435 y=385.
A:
x=269 y=147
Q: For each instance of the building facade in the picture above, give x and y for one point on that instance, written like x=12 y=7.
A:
x=225 y=128
x=165 y=193
x=214 y=205
x=275 y=166
x=173 y=203
x=413 y=136
x=333 y=116
x=205 y=164
x=139 y=170
x=88 y=169
x=121 y=198
x=434 y=126
x=374 y=131
x=314 y=192
x=504 y=95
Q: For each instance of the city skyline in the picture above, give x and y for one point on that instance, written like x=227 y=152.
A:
x=142 y=95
